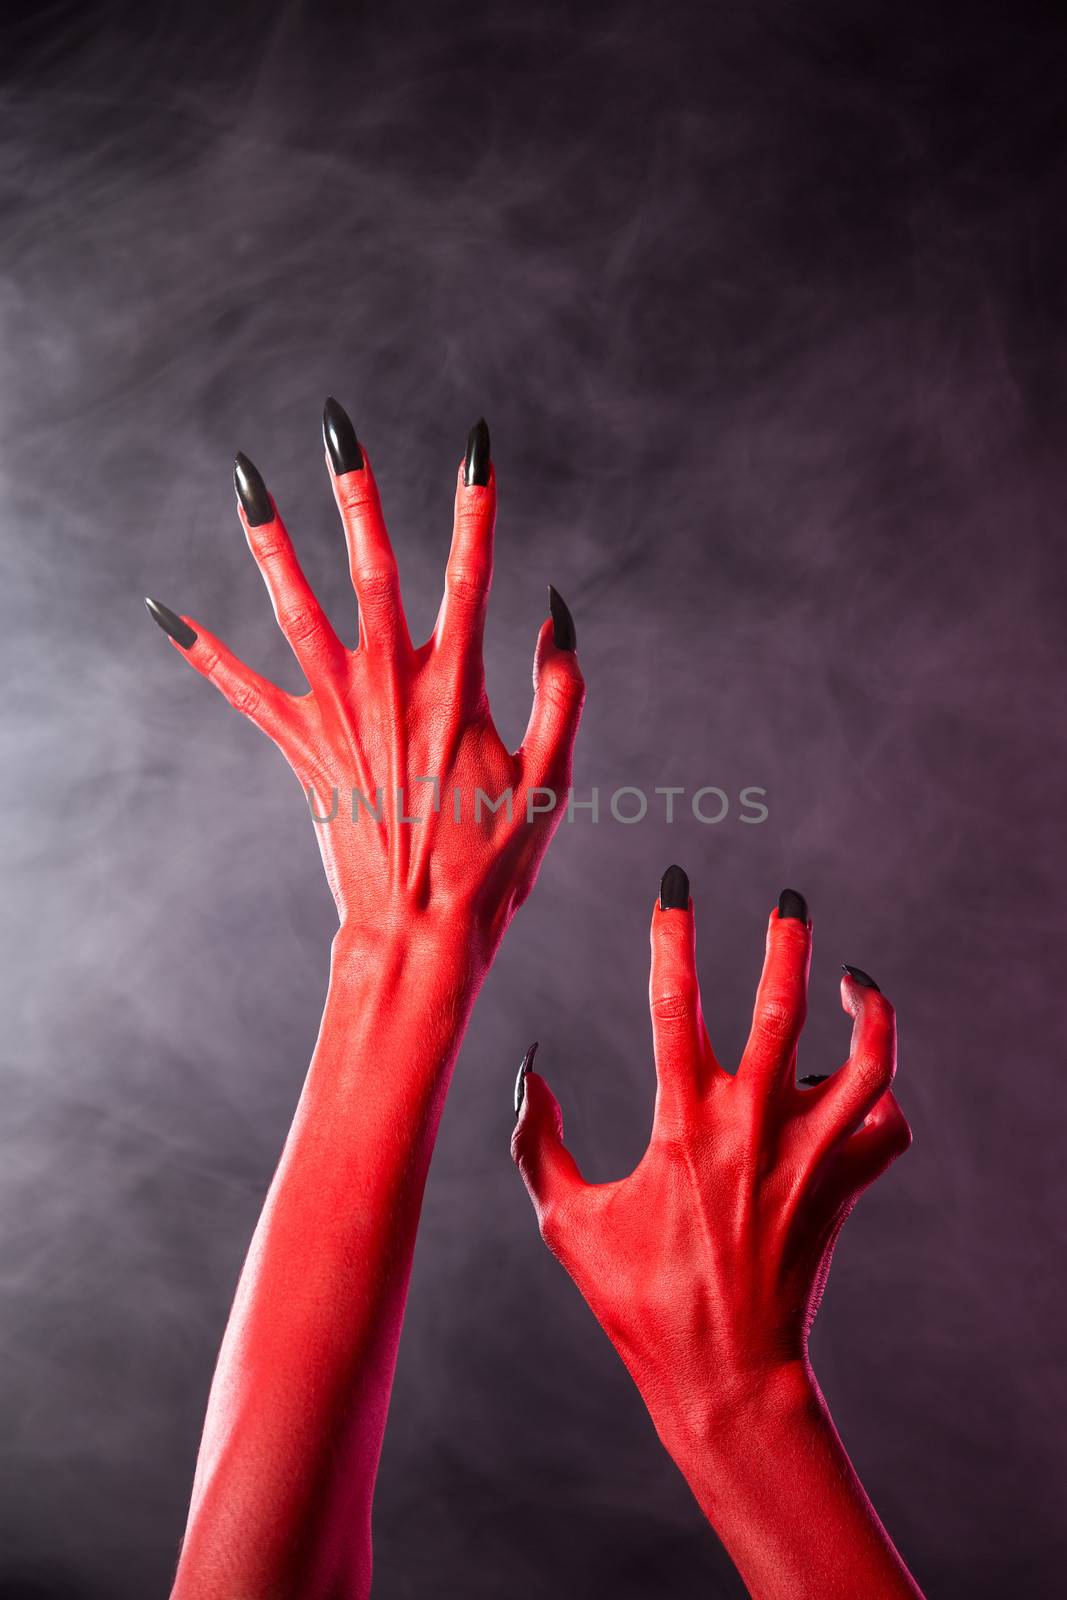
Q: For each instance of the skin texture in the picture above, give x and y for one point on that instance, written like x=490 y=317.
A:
x=706 y=1265
x=281 y=1500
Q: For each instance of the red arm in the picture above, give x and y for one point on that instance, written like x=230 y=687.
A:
x=284 y=1481
x=706 y=1266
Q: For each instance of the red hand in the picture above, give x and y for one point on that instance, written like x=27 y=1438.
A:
x=408 y=729
x=706 y=1265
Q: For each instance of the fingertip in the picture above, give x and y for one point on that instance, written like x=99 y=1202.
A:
x=253 y=498
x=674 y=992
x=558 y=699
x=177 y=628
x=483 y=492
x=356 y=489
x=788 y=939
x=561 y=664
x=860 y=993
x=520 y=1081
x=673 y=914
x=544 y=647
x=538 y=1123
x=202 y=648
x=344 y=453
x=790 y=919
x=792 y=907
x=886 y=1131
x=903 y=1138
x=564 y=633
x=674 y=890
x=555 y=714
x=851 y=997
x=862 y=979
x=543 y=1103
x=477 y=466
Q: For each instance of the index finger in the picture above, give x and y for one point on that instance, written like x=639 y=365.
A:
x=300 y=617
x=852 y=1092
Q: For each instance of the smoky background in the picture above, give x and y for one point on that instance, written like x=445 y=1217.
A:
x=765 y=308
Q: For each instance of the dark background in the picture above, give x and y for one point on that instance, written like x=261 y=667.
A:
x=765 y=306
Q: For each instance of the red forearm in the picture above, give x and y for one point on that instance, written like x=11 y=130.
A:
x=284 y=1482
x=773 y=1478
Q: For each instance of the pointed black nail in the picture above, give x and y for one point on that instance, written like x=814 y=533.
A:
x=674 y=890
x=813 y=1078
x=564 y=636
x=340 y=439
x=520 y=1081
x=857 y=975
x=476 y=466
x=252 y=492
x=171 y=623
x=792 y=904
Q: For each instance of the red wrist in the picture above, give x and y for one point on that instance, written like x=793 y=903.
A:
x=448 y=940
x=772 y=1477
x=740 y=1414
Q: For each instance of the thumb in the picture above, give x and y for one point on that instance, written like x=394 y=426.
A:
x=559 y=694
x=548 y=1169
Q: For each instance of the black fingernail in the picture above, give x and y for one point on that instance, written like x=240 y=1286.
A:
x=171 y=623
x=520 y=1081
x=813 y=1078
x=674 y=890
x=252 y=492
x=792 y=904
x=857 y=975
x=340 y=438
x=564 y=636
x=476 y=466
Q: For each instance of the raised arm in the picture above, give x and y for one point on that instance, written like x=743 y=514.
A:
x=397 y=750
x=705 y=1267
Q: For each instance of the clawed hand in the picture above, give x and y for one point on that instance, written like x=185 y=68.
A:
x=395 y=744
x=706 y=1265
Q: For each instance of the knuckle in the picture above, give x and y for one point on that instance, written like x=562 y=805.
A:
x=676 y=1004
x=879 y=1013
x=874 y=1069
x=474 y=516
x=375 y=582
x=245 y=697
x=467 y=584
x=902 y=1137
x=300 y=622
x=777 y=1017
x=356 y=494
x=270 y=544
x=560 y=691
x=550 y=1224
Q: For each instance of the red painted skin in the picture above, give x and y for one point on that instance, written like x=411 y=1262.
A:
x=281 y=1503
x=706 y=1265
